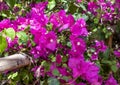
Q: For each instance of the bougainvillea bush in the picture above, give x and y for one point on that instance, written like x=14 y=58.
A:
x=71 y=42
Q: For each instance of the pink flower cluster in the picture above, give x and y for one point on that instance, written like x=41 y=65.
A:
x=105 y=9
x=49 y=42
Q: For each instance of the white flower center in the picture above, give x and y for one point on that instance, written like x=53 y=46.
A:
x=78 y=43
x=95 y=53
x=38 y=52
x=51 y=40
x=74 y=50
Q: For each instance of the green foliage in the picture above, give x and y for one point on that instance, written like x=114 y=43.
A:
x=46 y=65
x=95 y=25
x=3 y=44
x=11 y=3
x=96 y=20
x=51 y=4
x=22 y=36
x=10 y=32
x=53 y=81
x=114 y=68
x=13 y=75
x=55 y=72
x=20 y=77
x=72 y=8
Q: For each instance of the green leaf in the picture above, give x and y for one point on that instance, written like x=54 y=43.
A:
x=13 y=75
x=37 y=0
x=114 y=68
x=64 y=59
x=101 y=35
x=68 y=44
x=83 y=7
x=106 y=62
x=52 y=57
x=96 y=20
x=65 y=78
x=108 y=34
x=85 y=17
x=46 y=65
x=11 y=3
x=55 y=72
x=53 y=81
x=23 y=37
x=4 y=15
x=92 y=50
x=51 y=4
x=10 y=32
x=3 y=44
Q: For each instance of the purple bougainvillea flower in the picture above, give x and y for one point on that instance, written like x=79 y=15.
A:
x=107 y=16
x=63 y=71
x=53 y=66
x=78 y=66
x=22 y=20
x=57 y=19
x=37 y=14
x=11 y=42
x=41 y=5
x=20 y=23
x=92 y=7
x=58 y=59
x=94 y=56
x=61 y=20
x=3 y=6
x=117 y=53
x=35 y=53
x=38 y=33
x=67 y=23
x=37 y=30
x=39 y=52
x=86 y=70
x=4 y=24
x=79 y=28
x=111 y=81
x=117 y=5
x=118 y=64
x=92 y=73
x=100 y=46
x=81 y=22
x=76 y=54
x=45 y=42
x=51 y=40
x=78 y=44
x=16 y=9
x=70 y=20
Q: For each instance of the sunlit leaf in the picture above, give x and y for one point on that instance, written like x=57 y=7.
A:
x=3 y=44
x=10 y=32
x=51 y=4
